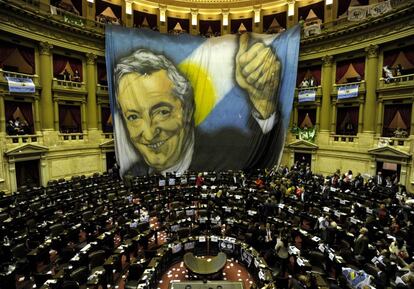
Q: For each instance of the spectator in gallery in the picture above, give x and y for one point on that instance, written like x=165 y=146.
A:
x=389 y=77
x=17 y=127
x=304 y=83
x=10 y=128
x=76 y=76
x=66 y=75
x=312 y=82
x=398 y=70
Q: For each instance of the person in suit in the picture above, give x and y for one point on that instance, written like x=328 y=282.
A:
x=379 y=179
x=156 y=106
x=361 y=243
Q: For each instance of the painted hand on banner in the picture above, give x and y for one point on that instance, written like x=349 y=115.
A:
x=258 y=72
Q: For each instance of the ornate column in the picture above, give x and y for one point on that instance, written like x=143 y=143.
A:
x=412 y=118
x=46 y=83
x=326 y=92
x=127 y=13
x=295 y=114
x=91 y=87
x=380 y=117
x=162 y=20
x=194 y=29
x=99 y=116
x=37 y=116
x=333 y=117
x=257 y=19
x=225 y=24
x=89 y=10
x=44 y=5
x=292 y=15
x=2 y=116
x=56 y=110
x=371 y=79
x=318 y=116
x=330 y=11
x=83 y=116
x=360 y=116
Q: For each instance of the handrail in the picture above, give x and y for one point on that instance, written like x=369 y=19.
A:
x=349 y=83
x=69 y=83
x=18 y=74
x=397 y=79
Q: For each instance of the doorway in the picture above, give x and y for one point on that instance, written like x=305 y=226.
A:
x=391 y=170
x=303 y=158
x=110 y=160
x=27 y=173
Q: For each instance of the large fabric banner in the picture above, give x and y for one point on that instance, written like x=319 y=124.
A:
x=183 y=102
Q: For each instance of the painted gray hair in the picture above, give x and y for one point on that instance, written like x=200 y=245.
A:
x=144 y=61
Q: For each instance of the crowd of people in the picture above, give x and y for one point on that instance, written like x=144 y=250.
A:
x=338 y=231
x=391 y=72
x=308 y=82
x=18 y=127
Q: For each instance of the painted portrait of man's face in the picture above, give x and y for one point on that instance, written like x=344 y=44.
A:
x=154 y=117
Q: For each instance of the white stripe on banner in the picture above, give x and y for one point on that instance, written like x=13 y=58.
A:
x=306 y=95
x=20 y=85
x=348 y=91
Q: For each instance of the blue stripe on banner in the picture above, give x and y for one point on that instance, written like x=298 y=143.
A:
x=20 y=85
x=348 y=91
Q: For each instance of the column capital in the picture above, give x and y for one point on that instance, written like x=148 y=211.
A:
x=162 y=7
x=91 y=58
x=371 y=51
x=45 y=48
x=327 y=60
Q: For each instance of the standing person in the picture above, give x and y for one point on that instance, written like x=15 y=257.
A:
x=361 y=244
x=282 y=254
x=199 y=180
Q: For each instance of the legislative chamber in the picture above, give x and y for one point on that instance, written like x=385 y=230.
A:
x=191 y=144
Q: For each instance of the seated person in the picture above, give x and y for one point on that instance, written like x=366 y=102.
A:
x=11 y=129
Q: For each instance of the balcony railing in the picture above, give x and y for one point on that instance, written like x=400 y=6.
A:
x=108 y=135
x=73 y=19
x=361 y=87
x=66 y=84
x=344 y=139
x=101 y=89
x=396 y=81
x=342 y=22
x=22 y=139
x=34 y=3
x=5 y=73
x=70 y=137
x=400 y=143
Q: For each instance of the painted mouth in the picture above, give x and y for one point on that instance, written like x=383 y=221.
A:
x=156 y=145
